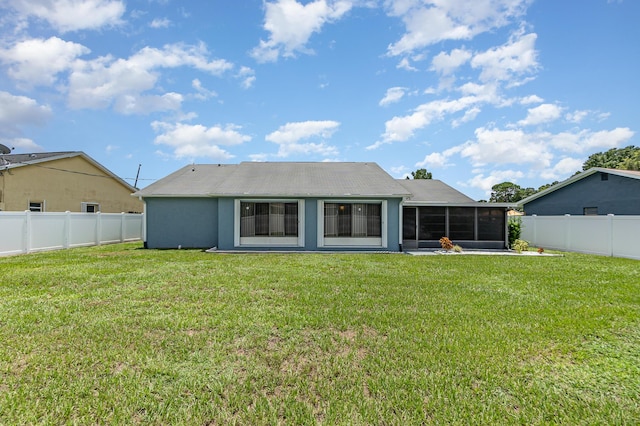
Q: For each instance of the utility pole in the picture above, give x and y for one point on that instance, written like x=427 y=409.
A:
x=135 y=185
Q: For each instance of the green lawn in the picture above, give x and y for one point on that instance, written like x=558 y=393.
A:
x=121 y=335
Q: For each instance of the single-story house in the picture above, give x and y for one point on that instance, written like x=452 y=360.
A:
x=310 y=206
x=597 y=191
x=62 y=181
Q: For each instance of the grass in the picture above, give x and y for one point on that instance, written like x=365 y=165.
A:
x=120 y=335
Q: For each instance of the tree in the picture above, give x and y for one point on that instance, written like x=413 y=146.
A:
x=421 y=174
x=547 y=185
x=631 y=163
x=508 y=192
x=627 y=158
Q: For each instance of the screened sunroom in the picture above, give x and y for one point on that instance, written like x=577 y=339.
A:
x=436 y=210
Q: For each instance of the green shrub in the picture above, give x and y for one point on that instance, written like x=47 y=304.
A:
x=520 y=245
x=515 y=229
x=457 y=249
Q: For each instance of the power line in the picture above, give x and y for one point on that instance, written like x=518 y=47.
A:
x=73 y=171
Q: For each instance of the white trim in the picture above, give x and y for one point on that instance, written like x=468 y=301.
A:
x=239 y=241
x=355 y=242
x=84 y=205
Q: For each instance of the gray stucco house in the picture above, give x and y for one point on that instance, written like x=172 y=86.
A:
x=310 y=206
x=597 y=191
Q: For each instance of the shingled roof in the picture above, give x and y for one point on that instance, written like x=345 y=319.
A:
x=278 y=179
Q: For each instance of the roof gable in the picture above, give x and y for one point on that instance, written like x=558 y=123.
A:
x=623 y=173
x=12 y=161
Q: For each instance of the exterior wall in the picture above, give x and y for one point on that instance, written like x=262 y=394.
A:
x=616 y=195
x=185 y=222
x=225 y=238
x=51 y=183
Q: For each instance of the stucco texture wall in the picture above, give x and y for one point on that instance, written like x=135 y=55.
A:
x=181 y=222
x=63 y=185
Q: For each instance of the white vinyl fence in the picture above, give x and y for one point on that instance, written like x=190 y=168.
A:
x=26 y=232
x=617 y=236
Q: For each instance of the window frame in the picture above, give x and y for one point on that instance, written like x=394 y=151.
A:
x=84 y=207
x=351 y=241
x=33 y=209
x=268 y=240
x=590 y=211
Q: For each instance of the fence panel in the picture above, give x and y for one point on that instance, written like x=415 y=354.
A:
x=12 y=232
x=625 y=236
x=83 y=230
x=25 y=232
x=604 y=235
x=111 y=229
x=47 y=231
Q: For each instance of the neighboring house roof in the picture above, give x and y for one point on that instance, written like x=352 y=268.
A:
x=624 y=173
x=432 y=192
x=275 y=179
x=13 y=161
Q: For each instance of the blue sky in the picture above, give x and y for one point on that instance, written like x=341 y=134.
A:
x=478 y=92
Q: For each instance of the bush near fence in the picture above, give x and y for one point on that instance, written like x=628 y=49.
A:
x=26 y=232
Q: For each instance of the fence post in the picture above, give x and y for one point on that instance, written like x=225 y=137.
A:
x=567 y=232
x=67 y=229
x=610 y=220
x=122 y=218
x=535 y=229
x=26 y=235
x=98 y=229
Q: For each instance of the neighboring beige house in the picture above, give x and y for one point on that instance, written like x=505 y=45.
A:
x=62 y=181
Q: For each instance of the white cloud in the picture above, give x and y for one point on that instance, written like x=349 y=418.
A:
x=394 y=94
x=515 y=59
x=193 y=141
x=563 y=168
x=485 y=183
x=531 y=99
x=446 y=63
x=135 y=104
x=105 y=81
x=22 y=144
x=203 y=93
x=160 y=23
x=19 y=111
x=607 y=139
x=291 y=24
x=495 y=146
x=38 y=61
x=72 y=15
x=469 y=115
x=247 y=77
x=577 y=116
x=434 y=160
x=288 y=137
x=439 y=159
x=544 y=113
x=406 y=65
x=589 y=141
x=431 y=21
x=400 y=129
